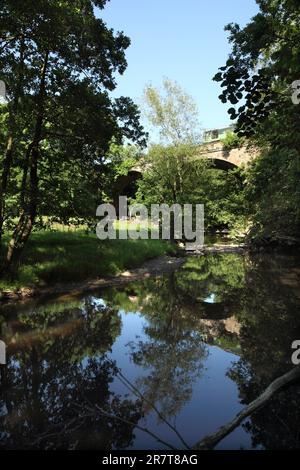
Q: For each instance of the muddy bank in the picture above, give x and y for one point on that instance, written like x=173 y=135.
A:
x=221 y=249
x=273 y=242
x=154 y=267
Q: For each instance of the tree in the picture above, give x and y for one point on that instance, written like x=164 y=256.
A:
x=172 y=175
x=262 y=67
x=257 y=80
x=177 y=172
x=167 y=176
x=174 y=113
x=231 y=141
x=59 y=63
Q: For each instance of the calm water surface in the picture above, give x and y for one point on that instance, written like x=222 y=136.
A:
x=177 y=355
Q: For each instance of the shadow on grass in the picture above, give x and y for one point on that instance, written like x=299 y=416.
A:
x=53 y=257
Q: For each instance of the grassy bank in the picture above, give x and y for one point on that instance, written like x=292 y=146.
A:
x=52 y=257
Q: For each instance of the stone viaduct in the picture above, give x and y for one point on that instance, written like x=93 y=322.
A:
x=221 y=159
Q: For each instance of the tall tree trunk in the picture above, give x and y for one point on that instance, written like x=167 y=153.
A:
x=4 y=179
x=28 y=207
x=8 y=159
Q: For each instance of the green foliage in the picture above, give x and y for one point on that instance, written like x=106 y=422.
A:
x=232 y=141
x=53 y=257
x=224 y=199
x=258 y=75
x=173 y=112
x=262 y=66
x=59 y=62
x=174 y=172
x=171 y=174
x=273 y=193
x=123 y=158
x=177 y=175
x=223 y=274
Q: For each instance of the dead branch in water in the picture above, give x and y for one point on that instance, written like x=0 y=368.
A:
x=209 y=442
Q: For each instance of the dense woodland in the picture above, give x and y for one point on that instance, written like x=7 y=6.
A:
x=107 y=356
x=65 y=140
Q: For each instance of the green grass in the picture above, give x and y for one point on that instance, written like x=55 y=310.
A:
x=228 y=344
x=53 y=257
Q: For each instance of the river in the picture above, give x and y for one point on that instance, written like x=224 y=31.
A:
x=158 y=363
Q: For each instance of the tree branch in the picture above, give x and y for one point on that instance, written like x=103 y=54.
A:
x=209 y=442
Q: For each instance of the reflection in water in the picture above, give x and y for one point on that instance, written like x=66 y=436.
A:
x=179 y=355
x=211 y=299
x=57 y=363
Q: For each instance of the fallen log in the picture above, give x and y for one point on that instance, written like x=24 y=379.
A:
x=209 y=442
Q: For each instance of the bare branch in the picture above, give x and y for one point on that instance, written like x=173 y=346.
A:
x=209 y=442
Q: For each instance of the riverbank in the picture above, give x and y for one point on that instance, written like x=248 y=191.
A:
x=59 y=258
x=154 y=265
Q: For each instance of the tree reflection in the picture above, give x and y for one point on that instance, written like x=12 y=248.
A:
x=261 y=293
x=173 y=353
x=59 y=354
x=57 y=363
x=270 y=322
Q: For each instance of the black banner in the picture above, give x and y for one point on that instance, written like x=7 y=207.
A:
x=138 y=459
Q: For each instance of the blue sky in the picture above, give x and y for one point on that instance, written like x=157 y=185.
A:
x=183 y=40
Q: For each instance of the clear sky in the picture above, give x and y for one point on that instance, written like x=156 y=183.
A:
x=183 y=40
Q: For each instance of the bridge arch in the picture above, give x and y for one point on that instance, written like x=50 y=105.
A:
x=222 y=164
x=126 y=185
x=232 y=158
x=221 y=158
